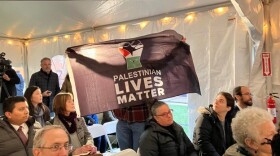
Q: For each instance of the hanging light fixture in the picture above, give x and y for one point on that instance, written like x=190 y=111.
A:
x=220 y=10
x=143 y=24
x=66 y=36
x=190 y=17
x=55 y=38
x=10 y=42
x=122 y=28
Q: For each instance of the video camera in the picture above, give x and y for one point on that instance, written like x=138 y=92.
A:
x=4 y=64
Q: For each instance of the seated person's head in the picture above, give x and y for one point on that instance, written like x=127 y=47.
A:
x=16 y=110
x=253 y=130
x=51 y=141
x=223 y=102
x=63 y=103
x=161 y=112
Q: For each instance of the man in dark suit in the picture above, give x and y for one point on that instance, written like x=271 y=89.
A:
x=16 y=128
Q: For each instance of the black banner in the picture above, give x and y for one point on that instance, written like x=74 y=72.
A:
x=124 y=72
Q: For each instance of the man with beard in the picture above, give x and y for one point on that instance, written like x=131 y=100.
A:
x=243 y=98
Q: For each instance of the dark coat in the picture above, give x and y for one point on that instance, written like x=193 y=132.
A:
x=10 y=142
x=158 y=141
x=209 y=137
x=10 y=85
x=234 y=111
x=46 y=82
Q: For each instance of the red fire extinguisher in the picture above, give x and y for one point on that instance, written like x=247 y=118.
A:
x=271 y=107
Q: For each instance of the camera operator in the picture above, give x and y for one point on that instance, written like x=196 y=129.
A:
x=9 y=81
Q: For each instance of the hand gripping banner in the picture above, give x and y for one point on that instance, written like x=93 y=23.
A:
x=125 y=72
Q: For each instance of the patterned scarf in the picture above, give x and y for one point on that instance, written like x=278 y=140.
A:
x=69 y=122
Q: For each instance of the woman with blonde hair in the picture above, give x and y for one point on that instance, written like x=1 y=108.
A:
x=65 y=115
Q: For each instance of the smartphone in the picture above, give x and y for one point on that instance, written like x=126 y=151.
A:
x=49 y=92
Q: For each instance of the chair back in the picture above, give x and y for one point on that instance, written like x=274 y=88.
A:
x=110 y=127
x=96 y=130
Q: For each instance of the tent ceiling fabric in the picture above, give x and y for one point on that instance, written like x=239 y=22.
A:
x=34 y=19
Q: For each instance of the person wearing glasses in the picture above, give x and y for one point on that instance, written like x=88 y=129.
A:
x=65 y=116
x=162 y=135
x=17 y=128
x=253 y=131
x=243 y=98
x=52 y=140
x=212 y=132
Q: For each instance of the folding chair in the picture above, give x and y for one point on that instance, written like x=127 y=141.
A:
x=96 y=130
x=110 y=127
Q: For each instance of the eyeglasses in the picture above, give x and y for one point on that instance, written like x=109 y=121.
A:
x=248 y=94
x=56 y=147
x=166 y=113
x=268 y=141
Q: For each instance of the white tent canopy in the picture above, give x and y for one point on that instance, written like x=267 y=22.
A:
x=225 y=46
x=33 y=19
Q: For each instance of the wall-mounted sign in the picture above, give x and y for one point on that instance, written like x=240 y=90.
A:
x=266 y=64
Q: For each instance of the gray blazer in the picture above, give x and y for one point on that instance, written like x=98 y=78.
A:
x=10 y=142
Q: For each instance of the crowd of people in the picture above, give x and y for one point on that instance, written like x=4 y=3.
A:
x=43 y=121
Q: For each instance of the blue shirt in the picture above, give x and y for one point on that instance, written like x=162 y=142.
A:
x=20 y=86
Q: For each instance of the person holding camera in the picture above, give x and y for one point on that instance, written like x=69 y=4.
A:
x=9 y=81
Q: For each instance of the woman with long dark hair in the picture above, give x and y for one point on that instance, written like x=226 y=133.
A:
x=37 y=108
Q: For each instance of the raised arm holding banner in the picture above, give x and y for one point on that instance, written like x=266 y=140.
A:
x=125 y=72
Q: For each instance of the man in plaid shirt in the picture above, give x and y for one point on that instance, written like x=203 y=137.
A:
x=131 y=125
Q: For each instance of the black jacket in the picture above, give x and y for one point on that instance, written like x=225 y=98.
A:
x=209 y=136
x=158 y=141
x=46 y=82
x=11 y=85
x=232 y=113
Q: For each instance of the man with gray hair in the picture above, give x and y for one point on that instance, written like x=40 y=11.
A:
x=51 y=141
x=47 y=80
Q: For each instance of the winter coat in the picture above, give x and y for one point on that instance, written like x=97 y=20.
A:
x=46 y=82
x=235 y=150
x=232 y=113
x=10 y=85
x=209 y=137
x=158 y=141
x=10 y=142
